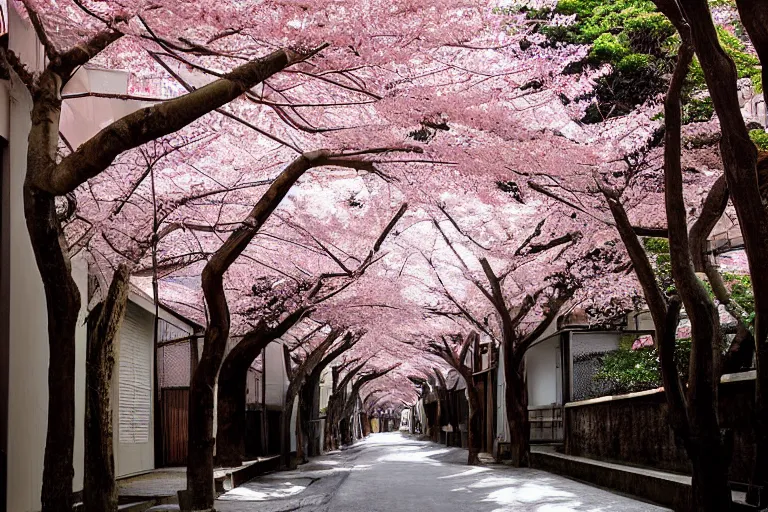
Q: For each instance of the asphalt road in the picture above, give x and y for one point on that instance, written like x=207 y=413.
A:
x=391 y=472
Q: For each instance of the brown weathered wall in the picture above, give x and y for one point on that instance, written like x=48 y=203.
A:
x=634 y=430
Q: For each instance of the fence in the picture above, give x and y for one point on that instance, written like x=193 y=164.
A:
x=546 y=423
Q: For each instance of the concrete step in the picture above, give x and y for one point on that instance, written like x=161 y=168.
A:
x=136 y=506
x=667 y=489
x=140 y=504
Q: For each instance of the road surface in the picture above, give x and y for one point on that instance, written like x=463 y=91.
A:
x=391 y=472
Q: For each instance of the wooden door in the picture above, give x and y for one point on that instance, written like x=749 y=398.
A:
x=175 y=406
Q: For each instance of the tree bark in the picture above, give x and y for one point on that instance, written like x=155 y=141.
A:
x=297 y=380
x=304 y=431
x=740 y=163
x=474 y=424
x=230 y=408
x=742 y=350
x=61 y=294
x=754 y=16
x=200 y=440
x=516 y=396
x=99 y=488
x=231 y=397
x=458 y=362
x=285 y=433
x=705 y=443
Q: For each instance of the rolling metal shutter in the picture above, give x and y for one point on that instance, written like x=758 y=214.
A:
x=135 y=376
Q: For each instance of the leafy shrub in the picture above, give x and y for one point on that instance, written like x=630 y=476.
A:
x=634 y=62
x=626 y=370
x=608 y=48
x=760 y=138
x=747 y=65
x=740 y=286
x=698 y=110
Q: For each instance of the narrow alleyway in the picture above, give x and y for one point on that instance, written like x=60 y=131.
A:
x=389 y=472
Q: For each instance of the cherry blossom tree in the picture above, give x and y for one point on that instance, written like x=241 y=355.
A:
x=303 y=301
x=307 y=398
x=342 y=401
x=452 y=77
x=456 y=357
x=47 y=179
x=740 y=167
x=99 y=489
x=128 y=30
x=297 y=378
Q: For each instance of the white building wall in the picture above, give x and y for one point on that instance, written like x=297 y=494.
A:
x=28 y=347
x=276 y=381
x=544 y=375
x=28 y=350
x=502 y=428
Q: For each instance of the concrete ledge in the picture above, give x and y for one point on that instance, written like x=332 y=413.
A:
x=666 y=489
x=611 y=398
x=230 y=478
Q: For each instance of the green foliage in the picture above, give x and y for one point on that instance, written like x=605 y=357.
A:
x=760 y=138
x=741 y=293
x=747 y=65
x=608 y=48
x=634 y=62
x=626 y=371
x=698 y=110
x=658 y=250
x=635 y=21
x=641 y=45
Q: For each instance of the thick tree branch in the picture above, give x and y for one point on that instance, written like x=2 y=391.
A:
x=150 y=123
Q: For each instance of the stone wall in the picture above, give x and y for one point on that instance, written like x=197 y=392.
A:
x=633 y=429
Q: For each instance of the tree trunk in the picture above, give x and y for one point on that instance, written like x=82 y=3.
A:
x=285 y=434
x=301 y=439
x=704 y=442
x=328 y=444
x=200 y=442
x=231 y=397
x=709 y=488
x=99 y=489
x=348 y=430
x=63 y=306
x=304 y=438
x=739 y=157
x=517 y=412
x=230 y=413
x=474 y=423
